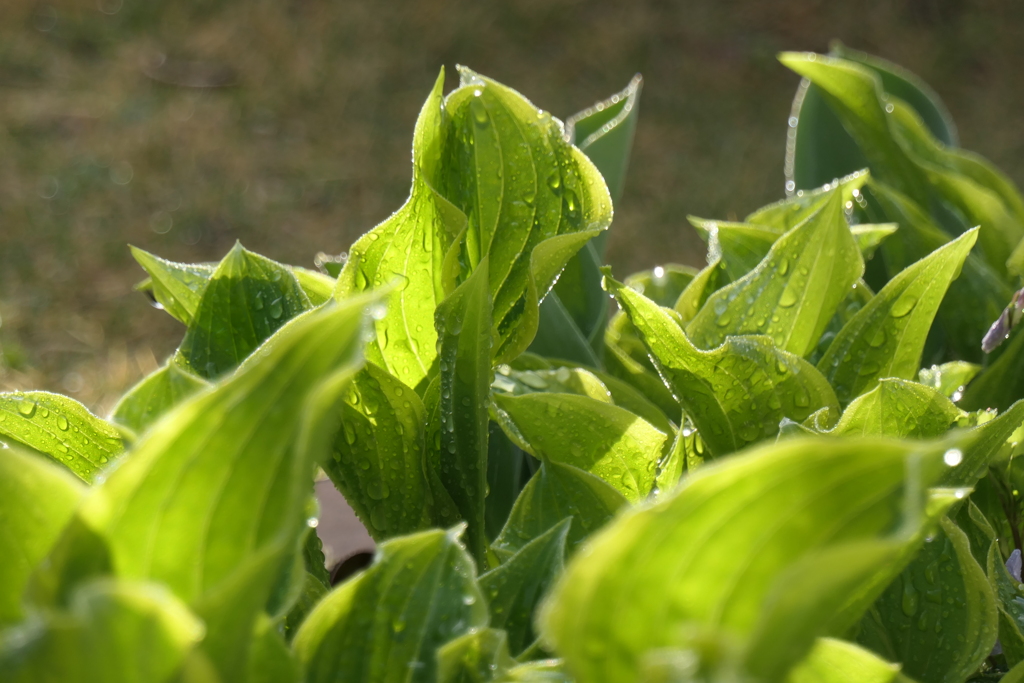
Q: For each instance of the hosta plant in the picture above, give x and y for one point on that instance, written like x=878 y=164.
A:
x=798 y=463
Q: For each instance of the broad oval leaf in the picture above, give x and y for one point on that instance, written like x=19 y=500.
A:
x=555 y=492
x=597 y=437
x=748 y=547
x=386 y=623
x=792 y=294
x=887 y=336
x=37 y=499
x=735 y=394
x=60 y=428
x=839 y=661
x=939 y=617
x=247 y=298
x=515 y=587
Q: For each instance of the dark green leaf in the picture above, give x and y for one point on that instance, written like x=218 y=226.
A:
x=747 y=550
x=37 y=499
x=112 y=632
x=247 y=298
x=1010 y=600
x=154 y=395
x=704 y=284
x=386 y=623
x=463 y=323
x=594 y=436
x=559 y=334
x=60 y=428
x=514 y=589
x=736 y=394
x=887 y=336
x=939 y=617
x=555 y=492
x=794 y=291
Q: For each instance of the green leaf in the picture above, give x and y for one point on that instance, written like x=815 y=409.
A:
x=247 y=298
x=177 y=287
x=604 y=132
x=555 y=492
x=463 y=323
x=786 y=214
x=60 y=428
x=379 y=455
x=661 y=284
x=837 y=661
x=1014 y=675
x=234 y=462
x=854 y=93
x=794 y=291
x=949 y=379
x=1002 y=382
x=704 y=284
x=646 y=382
x=319 y=288
x=387 y=622
x=982 y=446
x=37 y=499
x=532 y=199
x=594 y=436
x=559 y=335
x=514 y=588
x=476 y=657
x=154 y=395
x=408 y=250
x=112 y=632
x=544 y=671
x=736 y=394
x=625 y=395
x=897 y=408
x=748 y=550
x=1010 y=601
x=939 y=618
x=973 y=301
x=887 y=336
x=270 y=659
x=741 y=246
x=560 y=380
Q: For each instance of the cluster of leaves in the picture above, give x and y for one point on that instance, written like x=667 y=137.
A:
x=795 y=464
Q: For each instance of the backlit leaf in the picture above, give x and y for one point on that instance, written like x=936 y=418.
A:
x=154 y=395
x=898 y=408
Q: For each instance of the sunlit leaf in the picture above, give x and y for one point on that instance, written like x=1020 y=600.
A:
x=897 y=408
x=476 y=657
x=387 y=622
x=60 y=428
x=887 y=336
x=838 y=661
x=154 y=395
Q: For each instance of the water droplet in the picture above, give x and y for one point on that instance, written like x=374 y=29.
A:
x=910 y=597
x=555 y=181
x=783 y=266
x=788 y=298
x=801 y=398
x=258 y=302
x=878 y=338
x=26 y=407
x=62 y=423
x=479 y=113
x=904 y=305
x=312 y=522
x=953 y=457
x=868 y=369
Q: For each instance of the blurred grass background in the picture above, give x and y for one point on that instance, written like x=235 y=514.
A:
x=183 y=126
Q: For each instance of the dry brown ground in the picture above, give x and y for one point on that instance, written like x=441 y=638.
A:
x=105 y=141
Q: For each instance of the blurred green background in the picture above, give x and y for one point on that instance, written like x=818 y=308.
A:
x=286 y=124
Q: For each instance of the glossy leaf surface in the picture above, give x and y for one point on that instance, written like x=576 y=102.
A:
x=898 y=408
x=60 y=428
x=154 y=395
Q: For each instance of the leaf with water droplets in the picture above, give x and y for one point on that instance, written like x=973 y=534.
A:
x=594 y=436
x=747 y=554
x=111 y=631
x=387 y=622
x=514 y=588
x=247 y=298
x=983 y=445
x=154 y=395
x=949 y=379
x=532 y=199
x=788 y=213
x=212 y=500
x=458 y=430
x=60 y=428
x=379 y=453
x=555 y=492
x=898 y=408
x=705 y=283
x=1010 y=601
x=939 y=617
x=177 y=287
x=37 y=498
x=736 y=394
x=887 y=336
x=793 y=293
